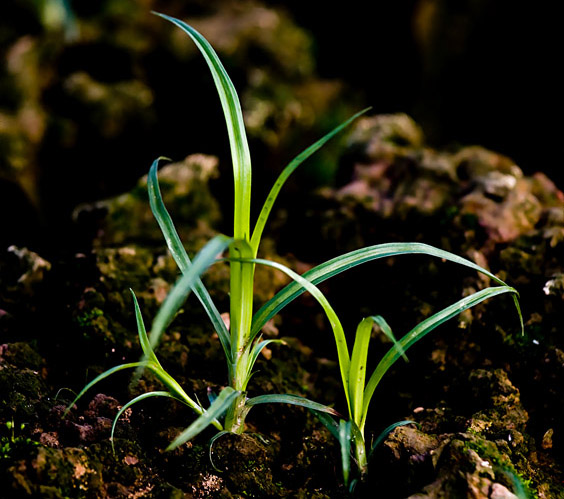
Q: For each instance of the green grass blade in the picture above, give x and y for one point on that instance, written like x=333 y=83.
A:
x=421 y=330
x=215 y=411
x=297 y=161
x=160 y=373
x=518 y=307
x=102 y=376
x=235 y=127
x=387 y=330
x=357 y=374
x=338 y=332
x=380 y=439
x=176 y=298
x=154 y=365
x=344 y=438
x=328 y=422
x=347 y=261
x=255 y=352
x=134 y=401
x=143 y=339
x=292 y=400
x=180 y=256
x=176 y=390
x=213 y=439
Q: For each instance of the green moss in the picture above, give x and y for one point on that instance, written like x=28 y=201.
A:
x=88 y=318
x=502 y=466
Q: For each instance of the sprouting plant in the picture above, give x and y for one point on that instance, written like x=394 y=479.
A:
x=359 y=393
x=242 y=341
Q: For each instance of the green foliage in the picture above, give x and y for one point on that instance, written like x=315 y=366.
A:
x=240 y=345
x=359 y=393
x=242 y=342
x=13 y=442
x=89 y=316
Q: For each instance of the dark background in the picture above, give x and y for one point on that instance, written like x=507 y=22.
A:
x=482 y=72
x=470 y=72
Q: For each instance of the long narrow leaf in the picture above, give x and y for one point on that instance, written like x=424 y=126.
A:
x=385 y=434
x=180 y=256
x=328 y=422
x=175 y=299
x=255 y=352
x=215 y=411
x=134 y=401
x=159 y=372
x=102 y=376
x=213 y=439
x=176 y=390
x=297 y=161
x=348 y=261
x=338 y=332
x=235 y=127
x=422 y=329
x=154 y=365
x=387 y=330
x=357 y=374
x=292 y=400
x=143 y=339
x=344 y=438
x=518 y=307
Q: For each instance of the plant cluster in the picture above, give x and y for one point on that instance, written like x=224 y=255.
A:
x=241 y=341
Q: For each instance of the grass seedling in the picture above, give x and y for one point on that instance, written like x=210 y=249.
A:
x=242 y=342
x=359 y=393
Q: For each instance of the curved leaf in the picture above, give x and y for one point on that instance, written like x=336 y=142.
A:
x=255 y=352
x=176 y=298
x=180 y=256
x=348 y=261
x=290 y=399
x=387 y=330
x=297 y=161
x=328 y=422
x=102 y=376
x=143 y=339
x=422 y=329
x=177 y=391
x=215 y=411
x=386 y=432
x=134 y=401
x=240 y=154
x=217 y=436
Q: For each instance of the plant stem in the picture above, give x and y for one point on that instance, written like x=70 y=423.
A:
x=235 y=417
x=360 y=455
x=241 y=311
x=241 y=306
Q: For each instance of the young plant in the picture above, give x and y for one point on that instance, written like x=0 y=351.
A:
x=242 y=342
x=359 y=393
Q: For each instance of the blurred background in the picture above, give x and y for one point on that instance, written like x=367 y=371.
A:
x=92 y=92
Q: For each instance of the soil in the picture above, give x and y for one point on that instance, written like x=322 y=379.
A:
x=486 y=398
